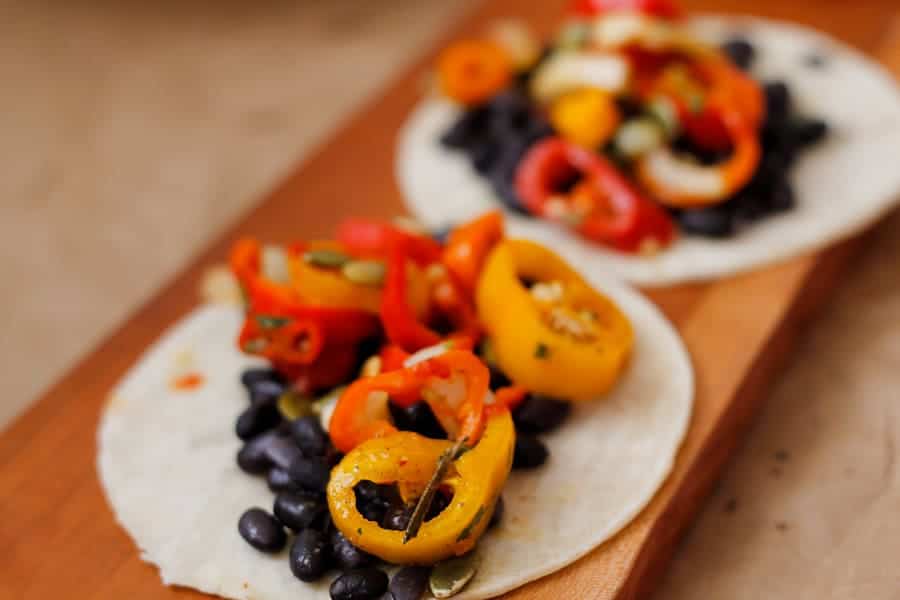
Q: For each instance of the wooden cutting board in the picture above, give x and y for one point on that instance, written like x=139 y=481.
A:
x=58 y=538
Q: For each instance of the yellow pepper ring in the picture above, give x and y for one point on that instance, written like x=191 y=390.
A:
x=587 y=117
x=329 y=287
x=476 y=480
x=535 y=355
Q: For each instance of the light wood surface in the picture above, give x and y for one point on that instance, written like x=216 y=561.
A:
x=58 y=535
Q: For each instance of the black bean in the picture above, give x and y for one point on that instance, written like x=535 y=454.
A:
x=497 y=515
x=309 y=555
x=253 y=376
x=359 y=584
x=261 y=530
x=806 y=132
x=783 y=196
x=438 y=504
x=498 y=378
x=466 y=129
x=539 y=414
x=257 y=419
x=740 y=51
x=409 y=583
x=509 y=103
x=310 y=473
x=309 y=436
x=397 y=517
x=419 y=418
x=266 y=392
x=441 y=235
x=252 y=457
x=529 y=453
x=345 y=555
x=282 y=451
x=484 y=157
x=714 y=221
x=298 y=510
x=778 y=100
x=279 y=480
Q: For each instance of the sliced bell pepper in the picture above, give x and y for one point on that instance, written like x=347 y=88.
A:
x=471 y=71
x=333 y=367
x=667 y=9
x=468 y=246
x=364 y=237
x=587 y=117
x=475 y=479
x=733 y=103
x=403 y=326
x=326 y=286
x=571 y=343
x=392 y=357
x=454 y=384
x=601 y=204
x=291 y=341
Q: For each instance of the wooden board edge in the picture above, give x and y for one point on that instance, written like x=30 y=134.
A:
x=818 y=288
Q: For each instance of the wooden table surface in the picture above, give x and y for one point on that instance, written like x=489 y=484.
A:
x=58 y=535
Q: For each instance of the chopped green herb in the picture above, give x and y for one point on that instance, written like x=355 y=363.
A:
x=254 y=346
x=270 y=322
x=328 y=259
x=468 y=529
x=359 y=530
x=541 y=351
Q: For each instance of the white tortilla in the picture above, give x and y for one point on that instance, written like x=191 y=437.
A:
x=167 y=463
x=843 y=184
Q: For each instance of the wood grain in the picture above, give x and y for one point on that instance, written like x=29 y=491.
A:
x=58 y=536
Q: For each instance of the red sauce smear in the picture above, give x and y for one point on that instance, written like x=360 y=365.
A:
x=188 y=381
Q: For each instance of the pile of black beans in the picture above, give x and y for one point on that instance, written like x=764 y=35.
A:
x=496 y=135
x=296 y=458
x=537 y=414
x=784 y=135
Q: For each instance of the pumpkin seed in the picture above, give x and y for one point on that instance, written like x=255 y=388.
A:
x=275 y=264
x=364 y=272
x=449 y=577
x=371 y=367
x=327 y=259
x=293 y=406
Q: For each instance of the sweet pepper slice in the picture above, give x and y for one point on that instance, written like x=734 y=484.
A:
x=364 y=237
x=560 y=337
x=562 y=181
x=475 y=479
x=454 y=384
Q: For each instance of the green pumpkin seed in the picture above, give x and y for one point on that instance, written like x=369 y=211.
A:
x=327 y=259
x=451 y=576
x=364 y=272
x=293 y=406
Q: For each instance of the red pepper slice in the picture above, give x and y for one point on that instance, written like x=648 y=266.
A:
x=403 y=328
x=398 y=318
x=509 y=397
x=291 y=341
x=364 y=237
x=392 y=357
x=468 y=247
x=602 y=206
x=338 y=325
x=361 y=412
x=333 y=367
x=667 y=9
